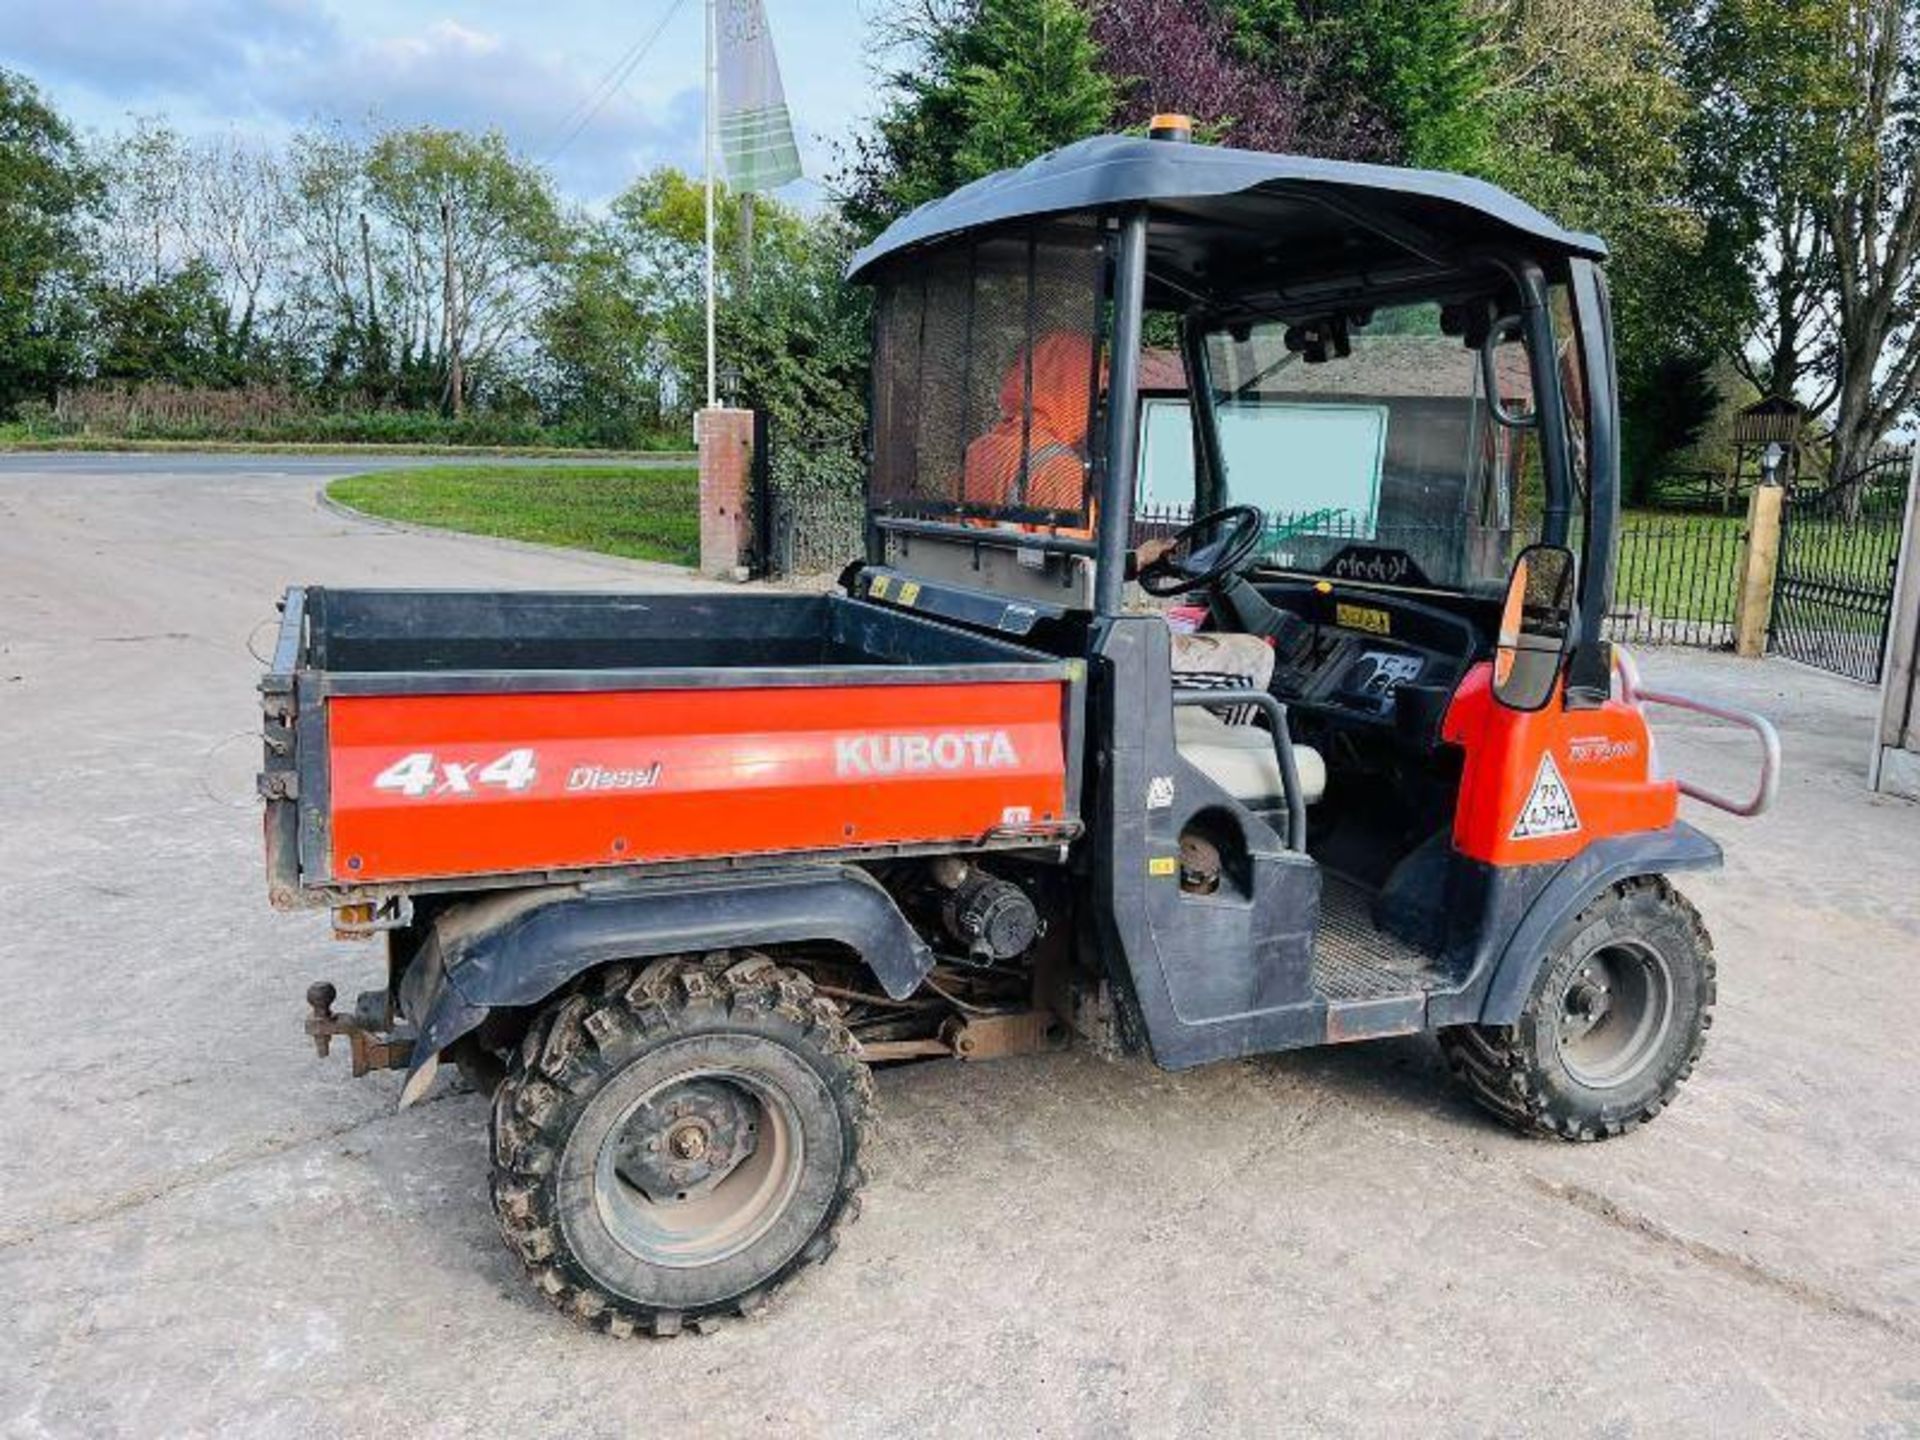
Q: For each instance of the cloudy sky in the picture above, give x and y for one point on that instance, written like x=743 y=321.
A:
x=539 y=70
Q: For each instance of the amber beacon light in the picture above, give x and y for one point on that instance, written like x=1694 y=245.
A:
x=1170 y=127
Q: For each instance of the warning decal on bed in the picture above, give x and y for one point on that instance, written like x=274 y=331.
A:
x=1549 y=808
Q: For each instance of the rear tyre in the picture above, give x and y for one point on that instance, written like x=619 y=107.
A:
x=479 y=1067
x=671 y=1145
x=1616 y=1020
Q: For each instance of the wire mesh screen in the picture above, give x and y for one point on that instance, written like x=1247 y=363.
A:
x=987 y=377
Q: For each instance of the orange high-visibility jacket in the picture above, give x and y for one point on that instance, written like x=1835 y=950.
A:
x=1056 y=440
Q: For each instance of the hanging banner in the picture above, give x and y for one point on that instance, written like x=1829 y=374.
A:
x=756 y=133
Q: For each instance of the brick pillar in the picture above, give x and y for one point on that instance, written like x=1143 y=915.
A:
x=726 y=471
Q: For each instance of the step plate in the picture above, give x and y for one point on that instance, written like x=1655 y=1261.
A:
x=1353 y=960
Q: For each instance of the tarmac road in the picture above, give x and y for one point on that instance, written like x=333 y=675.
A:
x=204 y=1228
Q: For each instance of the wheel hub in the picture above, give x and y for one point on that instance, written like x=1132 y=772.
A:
x=1614 y=1012
x=1586 y=1006
x=685 y=1140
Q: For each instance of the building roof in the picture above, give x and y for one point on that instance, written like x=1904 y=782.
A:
x=1383 y=367
x=1435 y=216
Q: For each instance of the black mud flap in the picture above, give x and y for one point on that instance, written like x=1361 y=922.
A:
x=519 y=947
x=1603 y=864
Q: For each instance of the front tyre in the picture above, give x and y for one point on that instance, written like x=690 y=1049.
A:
x=671 y=1145
x=1616 y=1020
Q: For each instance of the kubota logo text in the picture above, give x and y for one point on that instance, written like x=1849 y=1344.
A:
x=897 y=754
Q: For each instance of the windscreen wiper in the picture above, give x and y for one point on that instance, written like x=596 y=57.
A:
x=1271 y=370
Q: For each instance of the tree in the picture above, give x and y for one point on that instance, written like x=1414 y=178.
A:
x=141 y=239
x=1761 y=76
x=1414 y=75
x=331 y=285
x=1806 y=147
x=1030 y=84
x=600 y=344
x=1669 y=403
x=235 y=223
x=1242 y=85
x=797 y=337
x=984 y=86
x=172 y=329
x=214 y=208
x=1591 y=117
x=1873 y=214
x=48 y=192
x=471 y=234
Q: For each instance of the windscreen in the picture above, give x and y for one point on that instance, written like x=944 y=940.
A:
x=987 y=377
x=1377 y=456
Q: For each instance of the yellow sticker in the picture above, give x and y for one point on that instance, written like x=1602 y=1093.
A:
x=909 y=592
x=1162 y=865
x=1363 y=617
x=878 y=589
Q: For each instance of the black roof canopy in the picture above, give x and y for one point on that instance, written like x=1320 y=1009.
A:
x=1242 y=228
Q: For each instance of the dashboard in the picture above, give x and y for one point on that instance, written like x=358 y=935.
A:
x=1366 y=658
x=1355 y=673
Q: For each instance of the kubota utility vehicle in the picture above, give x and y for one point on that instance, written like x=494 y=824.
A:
x=664 y=875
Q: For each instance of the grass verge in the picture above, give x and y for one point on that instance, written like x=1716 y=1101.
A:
x=647 y=512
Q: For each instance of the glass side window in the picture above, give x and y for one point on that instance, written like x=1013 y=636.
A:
x=1316 y=468
x=1166 y=454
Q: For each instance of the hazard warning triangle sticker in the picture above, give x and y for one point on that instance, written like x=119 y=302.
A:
x=1549 y=808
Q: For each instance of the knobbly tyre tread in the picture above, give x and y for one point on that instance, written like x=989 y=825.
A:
x=558 y=1061
x=1494 y=1063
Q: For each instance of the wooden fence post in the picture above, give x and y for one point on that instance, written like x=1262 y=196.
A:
x=1759 y=566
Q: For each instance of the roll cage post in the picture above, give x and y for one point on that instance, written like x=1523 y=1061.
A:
x=1590 y=671
x=1550 y=410
x=1123 y=414
x=1210 y=467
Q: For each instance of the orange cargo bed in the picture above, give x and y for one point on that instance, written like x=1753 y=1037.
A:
x=424 y=740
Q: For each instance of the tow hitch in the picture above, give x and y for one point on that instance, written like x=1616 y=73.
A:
x=376 y=1041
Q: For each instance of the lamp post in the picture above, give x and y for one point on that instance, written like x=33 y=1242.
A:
x=1770 y=459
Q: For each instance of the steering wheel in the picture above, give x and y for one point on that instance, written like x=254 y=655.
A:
x=1209 y=549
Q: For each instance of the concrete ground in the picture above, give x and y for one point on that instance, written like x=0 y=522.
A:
x=205 y=1229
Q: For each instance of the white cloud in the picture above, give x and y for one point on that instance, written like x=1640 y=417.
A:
x=271 y=64
x=138 y=50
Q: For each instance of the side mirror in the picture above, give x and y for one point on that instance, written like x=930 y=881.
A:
x=1536 y=627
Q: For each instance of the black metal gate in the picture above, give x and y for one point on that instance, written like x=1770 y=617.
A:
x=1839 y=546
x=1676 y=579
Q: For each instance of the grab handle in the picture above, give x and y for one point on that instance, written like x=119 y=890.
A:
x=1763 y=798
x=1276 y=714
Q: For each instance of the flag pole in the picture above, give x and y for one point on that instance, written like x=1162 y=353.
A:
x=713 y=99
